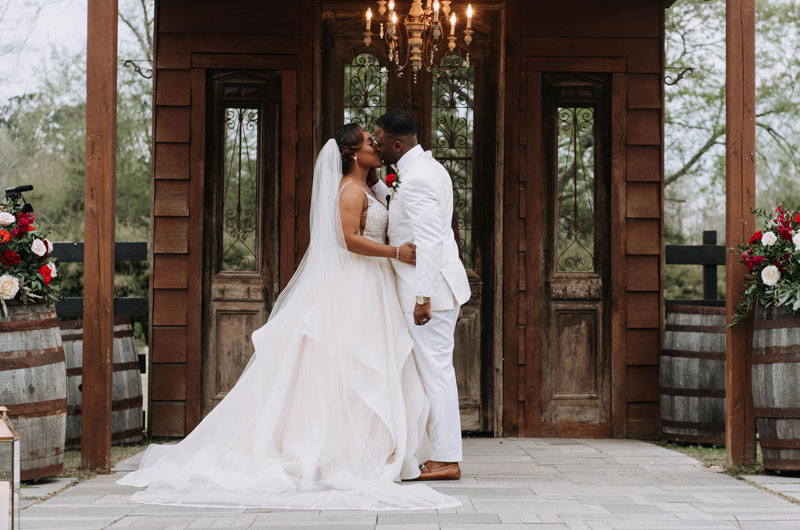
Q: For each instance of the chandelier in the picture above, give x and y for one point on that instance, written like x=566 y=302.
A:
x=417 y=40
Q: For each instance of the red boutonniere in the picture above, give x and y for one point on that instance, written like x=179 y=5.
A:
x=392 y=181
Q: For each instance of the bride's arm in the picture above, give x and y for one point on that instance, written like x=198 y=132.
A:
x=351 y=205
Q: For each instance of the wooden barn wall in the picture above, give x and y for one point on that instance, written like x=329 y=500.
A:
x=191 y=35
x=624 y=38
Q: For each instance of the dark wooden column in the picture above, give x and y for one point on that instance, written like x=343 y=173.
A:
x=98 y=281
x=740 y=171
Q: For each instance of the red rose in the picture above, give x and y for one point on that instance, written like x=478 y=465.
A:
x=797 y=218
x=391 y=178
x=785 y=232
x=46 y=273
x=756 y=237
x=5 y=237
x=10 y=258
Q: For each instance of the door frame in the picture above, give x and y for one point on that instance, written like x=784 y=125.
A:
x=498 y=9
x=529 y=342
x=200 y=63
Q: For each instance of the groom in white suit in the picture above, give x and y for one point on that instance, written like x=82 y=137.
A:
x=431 y=294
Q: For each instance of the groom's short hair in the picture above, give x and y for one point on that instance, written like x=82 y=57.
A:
x=397 y=123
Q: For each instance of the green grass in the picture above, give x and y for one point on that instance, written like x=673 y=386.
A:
x=714 y=455
x=72 y=458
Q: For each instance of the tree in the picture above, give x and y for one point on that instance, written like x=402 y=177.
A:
x=43 y=142
x=695 y=110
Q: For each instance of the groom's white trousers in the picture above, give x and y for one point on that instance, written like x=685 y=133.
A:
x=433 y=351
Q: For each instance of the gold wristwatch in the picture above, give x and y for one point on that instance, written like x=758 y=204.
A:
x=422 y=300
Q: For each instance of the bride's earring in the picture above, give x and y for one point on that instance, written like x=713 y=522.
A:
x=355 y=159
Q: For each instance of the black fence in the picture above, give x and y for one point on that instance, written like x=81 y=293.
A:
x=136 y=308
x=710 y=256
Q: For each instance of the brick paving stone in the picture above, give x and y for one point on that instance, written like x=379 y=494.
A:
x=507 y=484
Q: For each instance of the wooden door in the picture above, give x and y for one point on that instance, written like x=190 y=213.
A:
x=240 y=261
x=576 y=173
x=449 y=110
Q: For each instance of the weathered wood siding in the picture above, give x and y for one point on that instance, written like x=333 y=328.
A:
x=192 y=36
x=624 y=38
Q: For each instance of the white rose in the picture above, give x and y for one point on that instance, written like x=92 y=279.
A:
x=38 y=247
x=796 y=241
x=6 y=218
x=768 y=239
x=9 y=286
x=49 y=245
x=770 y=275
x=52 y=267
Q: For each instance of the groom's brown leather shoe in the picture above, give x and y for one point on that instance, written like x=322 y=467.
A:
x=441 y=472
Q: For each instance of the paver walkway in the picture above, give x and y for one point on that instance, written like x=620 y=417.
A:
x=507 y=484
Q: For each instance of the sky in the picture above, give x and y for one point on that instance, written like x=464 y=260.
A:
x=60 y=23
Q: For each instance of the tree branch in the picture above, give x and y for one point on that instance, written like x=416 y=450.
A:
x=712 y=140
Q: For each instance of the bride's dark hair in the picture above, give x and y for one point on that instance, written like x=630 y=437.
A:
x=348 y=137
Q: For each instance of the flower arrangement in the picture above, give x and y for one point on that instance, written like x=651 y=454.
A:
x=26 y=268
x=772 y=258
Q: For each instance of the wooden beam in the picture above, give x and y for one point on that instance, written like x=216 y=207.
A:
x=98 y=310
x=739 y=223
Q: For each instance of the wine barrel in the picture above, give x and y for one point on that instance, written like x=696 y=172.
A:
x=775 y=376
x=692 y=375
x=33 y=386
x=126 y=405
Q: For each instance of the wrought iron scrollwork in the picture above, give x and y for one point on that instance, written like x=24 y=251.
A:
x=240 y=191
x=147 y=73
x=685 y=72
x=364 y=91
x=453 y=126
x=576 y=190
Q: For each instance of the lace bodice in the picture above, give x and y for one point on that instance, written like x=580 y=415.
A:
x=377 y=221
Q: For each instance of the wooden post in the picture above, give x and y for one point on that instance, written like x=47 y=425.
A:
x=739 y=223
x=98 y=279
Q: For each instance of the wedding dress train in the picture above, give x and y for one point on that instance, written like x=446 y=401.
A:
x=330 y=410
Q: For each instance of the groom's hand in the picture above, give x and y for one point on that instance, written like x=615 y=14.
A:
x=422 y=314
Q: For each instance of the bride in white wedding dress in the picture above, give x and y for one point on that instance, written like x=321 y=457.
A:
x=330 y=410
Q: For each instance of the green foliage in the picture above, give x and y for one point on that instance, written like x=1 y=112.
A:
x=43 y=142
x=772 y=258
x=694 y=164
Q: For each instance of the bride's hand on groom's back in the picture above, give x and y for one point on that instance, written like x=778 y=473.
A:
x=408 y=253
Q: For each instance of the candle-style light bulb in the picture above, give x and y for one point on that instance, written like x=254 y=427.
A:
x=436 y=10
x=469 y=16
x=391 y=5
x=453 y=24
x=394 y=22
x=369 y=19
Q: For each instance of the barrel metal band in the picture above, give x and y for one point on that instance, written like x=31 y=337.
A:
x=693 y=438
x=693 y=392
x=694 y=329
x=27 y=325
x=118 y=367
x=777 y=354
x=777 y=412
x=776 y=323
x=38 y=408
x=709 y=426
x=117 y=404
x=19 y=359
x=782 y=464
x=779 y=443
x=690 y=354
x=697 y=309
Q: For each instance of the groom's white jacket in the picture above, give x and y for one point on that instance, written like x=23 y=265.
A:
x=421 y=212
